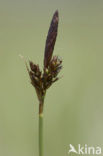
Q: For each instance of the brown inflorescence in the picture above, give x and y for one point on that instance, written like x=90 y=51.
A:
x=51 y=39
x=52 y=64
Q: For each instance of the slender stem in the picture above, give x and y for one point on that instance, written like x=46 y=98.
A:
x=40 y=134
x=41 y=127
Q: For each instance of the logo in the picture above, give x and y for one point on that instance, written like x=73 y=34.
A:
x=90 y=150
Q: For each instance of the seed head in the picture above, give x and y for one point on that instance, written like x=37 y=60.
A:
x=51 y=39
x=52 y=65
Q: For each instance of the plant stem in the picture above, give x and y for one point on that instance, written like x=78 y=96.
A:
x=41 y=135
x=41 y=128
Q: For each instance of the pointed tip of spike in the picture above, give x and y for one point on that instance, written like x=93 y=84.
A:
x=56 y=12
x=56 y=15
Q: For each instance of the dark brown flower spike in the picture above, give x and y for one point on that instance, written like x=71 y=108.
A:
x=51 y=39
x=42 y=80
x=52 y=65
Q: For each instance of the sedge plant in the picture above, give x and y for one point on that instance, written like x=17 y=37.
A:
x=42 y=80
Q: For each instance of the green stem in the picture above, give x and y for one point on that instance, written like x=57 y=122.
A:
x=41 y=127
x=40 y=134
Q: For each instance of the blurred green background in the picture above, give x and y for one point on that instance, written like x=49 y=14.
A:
x=74 y=105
